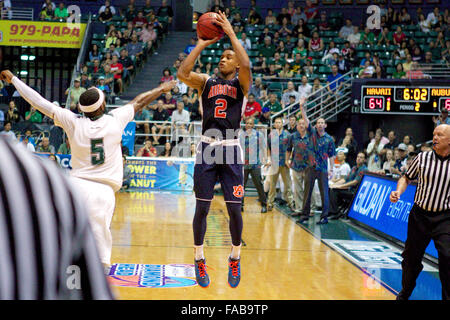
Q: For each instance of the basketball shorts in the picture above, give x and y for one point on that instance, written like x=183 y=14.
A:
x=219 y=163
x=100 y=202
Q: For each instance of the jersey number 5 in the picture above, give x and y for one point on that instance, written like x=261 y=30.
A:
x=97 y=152
x=221 y=107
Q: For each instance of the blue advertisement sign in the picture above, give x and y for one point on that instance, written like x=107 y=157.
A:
x=64 y=160
x=174 y=174
x=128 y=137
x=372 y=207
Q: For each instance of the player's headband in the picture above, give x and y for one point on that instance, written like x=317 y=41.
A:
x=95 y=106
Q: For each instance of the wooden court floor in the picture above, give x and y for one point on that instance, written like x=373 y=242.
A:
x=279 y=261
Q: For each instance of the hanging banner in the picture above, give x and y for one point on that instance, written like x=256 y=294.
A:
x=128 y=137
x=41 y=34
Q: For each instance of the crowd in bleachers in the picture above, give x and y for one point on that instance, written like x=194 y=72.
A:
x=132 y=34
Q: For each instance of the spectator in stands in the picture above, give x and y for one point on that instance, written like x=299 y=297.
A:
x=286 y=72
x=147 y=35
x=355 y=37
x=30 y=147
x=343 y=64
x=344 y=189
x=404 y=17
x=316 y=89
x=424 y=24
x=283 y=50
x=341 y=168
x=148 y=9
x=117 y=70
x=130 y=11
x=273 y=104
x=308 y=68
x=106 y=15
x=135 y=48
x=283 y=14
x=379 y=73
x=161 y=115
x=310 y=10
x=399 y=36
x=400 y=156
x=298 y=14
x=165 y=11
x=349 y=143
x=5 y=5
x=33 y=115
x=103 y=86
x=148 y=150
x=75 y=93
x=264 y=118
x=385 y=37
x=111 y=38
x=290 y=91
x=304 y=89
x=252 y=108
x=388 y=164
x=442 y=118
x=391 y=17
x=322 y=25
x=61 y=12
x=433 y=16
x=3 y=91
x=254 y=18
x=84 y=81
x=140 y=20
x=167 y=151
x=367 y=37
x=300 y=48
x=334 y=81
x=180 y=119
x=46 y=14
x=391 y=144
x=256 y=87
x=316 y=43
x=186 y=104
x=127 y=63
x=48 y=4
x=95 y=53
x=107 y=5
x=246 y=43
x=169 y=103
x=270 y=18
x=64 y=148
x=399 y=73
x=285 y=28
x=417 y=54
x=277 y=61
x=415 y=72
x=374 y=150
x=346 y=30
x=45 y=146
x=238 y=22
x=12 y=115
x=190 y=46
x=126 y=180
x=143 y=115
x=270 y=73
x=8 y=132
x=167 y=76
x=176 y=94
x=109 y=76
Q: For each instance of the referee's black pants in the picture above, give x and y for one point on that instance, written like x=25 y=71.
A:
x=422 y=227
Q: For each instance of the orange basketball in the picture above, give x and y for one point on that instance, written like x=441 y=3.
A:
x=207 y=29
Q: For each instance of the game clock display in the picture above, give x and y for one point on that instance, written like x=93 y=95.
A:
x=404 y=100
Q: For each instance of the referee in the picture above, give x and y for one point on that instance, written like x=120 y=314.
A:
x=430 y=216
x=47 y=249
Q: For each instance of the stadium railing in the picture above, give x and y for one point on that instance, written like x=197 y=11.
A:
x=17 y=14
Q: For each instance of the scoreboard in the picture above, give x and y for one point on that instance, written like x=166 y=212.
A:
x=395 y=99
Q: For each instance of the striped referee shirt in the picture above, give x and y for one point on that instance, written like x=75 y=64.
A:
x=433 y=174
x=47 y=249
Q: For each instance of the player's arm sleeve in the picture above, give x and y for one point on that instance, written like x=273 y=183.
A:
x=123 y=115
x=62 y=117
x=413 y=170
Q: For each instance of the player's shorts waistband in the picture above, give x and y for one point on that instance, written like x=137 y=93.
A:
x=225 y=142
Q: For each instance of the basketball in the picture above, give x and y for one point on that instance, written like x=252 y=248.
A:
x=206 y=28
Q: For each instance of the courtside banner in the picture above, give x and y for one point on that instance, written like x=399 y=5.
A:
x=174 y=174
x=372 y=207
x=64 y=160
x=41 y=34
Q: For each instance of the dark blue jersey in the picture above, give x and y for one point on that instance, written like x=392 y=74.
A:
x=223 y=104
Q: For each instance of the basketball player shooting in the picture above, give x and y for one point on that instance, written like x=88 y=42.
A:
x=95 y=139
x=222 y=101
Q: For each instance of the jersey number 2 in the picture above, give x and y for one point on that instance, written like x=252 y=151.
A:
x=97 y=152
x=221 y=107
